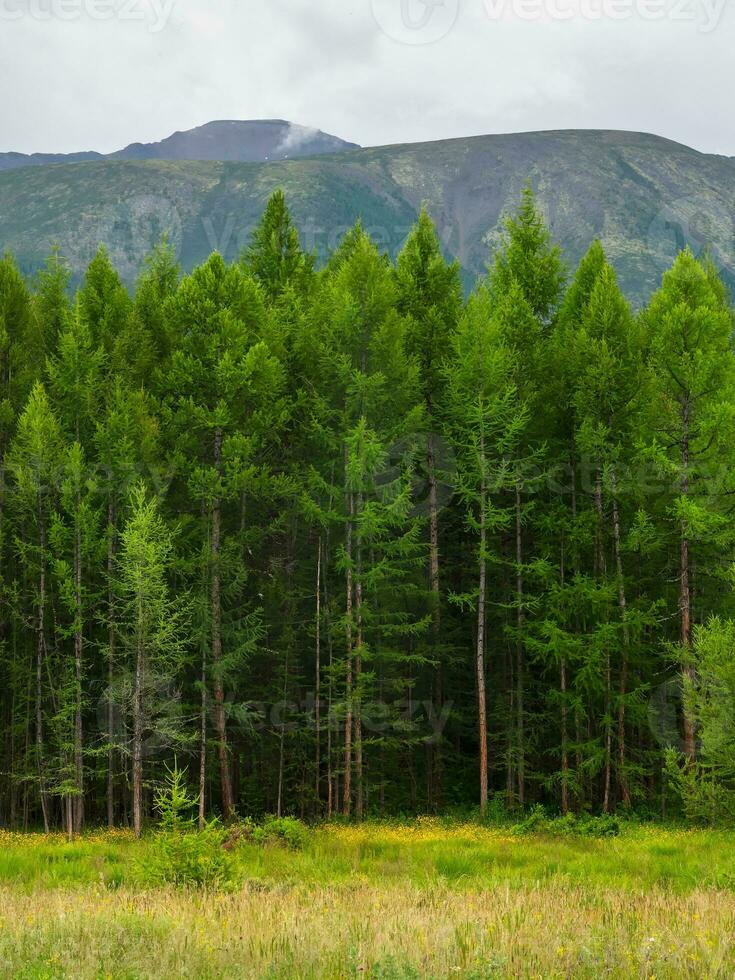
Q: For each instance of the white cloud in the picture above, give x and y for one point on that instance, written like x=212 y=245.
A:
x=343 y=67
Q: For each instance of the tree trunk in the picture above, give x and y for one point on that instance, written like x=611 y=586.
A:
x=685 y=598
x=282 y=742
x=520 y=747
x=359 y=787
x=111 y=642
x=480 y=653
x=40 y=649
x=203 y=744
x=601 y=571
x=564 y=709
x=138 y=733
x=622 y=603
x=78 y=679
x=332 y=796
x=220 y=721
x=436 y=776
x=68 y=807
x=347 y=781
x=318 y=677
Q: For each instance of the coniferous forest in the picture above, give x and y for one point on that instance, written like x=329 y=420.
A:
x=344 y=540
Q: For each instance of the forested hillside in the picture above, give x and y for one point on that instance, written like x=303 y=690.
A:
x=645 y=198
x=340 y=540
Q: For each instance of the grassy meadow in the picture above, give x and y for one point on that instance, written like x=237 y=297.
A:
x=426 y=899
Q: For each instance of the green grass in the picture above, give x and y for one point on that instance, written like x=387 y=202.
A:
x=427 y=899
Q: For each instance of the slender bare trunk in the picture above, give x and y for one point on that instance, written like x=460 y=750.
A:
x=40 y=650
x=564 y=709
x=359 y=787
x=282 y=742
x=220 y=721
x=436 y=768
x=318 y=676
x=685 y=598
x=68 y=805
x=347 y=781
x=622 y=604
x=480 y=654
x=332 y=796
x=600 y=571
x=78 y=678
x=203 y=744
x=520 y=748
x=138 y=731
x=111 y=643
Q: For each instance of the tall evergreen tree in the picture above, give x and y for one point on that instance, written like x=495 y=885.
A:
x=430 y=296
x=486 y=418
x=219 y=388
x=151 y=627
x=33 y=461
x=692 y=409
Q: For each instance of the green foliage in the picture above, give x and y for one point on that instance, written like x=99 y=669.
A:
x=334 y=533
x=274 y=257
x=569 y=825
x=281 y=830
x=528 y=259
x=181 y=854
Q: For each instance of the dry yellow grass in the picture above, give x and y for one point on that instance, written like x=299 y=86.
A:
x=377 y=901
x=360 y=930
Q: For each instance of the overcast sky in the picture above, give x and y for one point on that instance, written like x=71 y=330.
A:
x=98 y=74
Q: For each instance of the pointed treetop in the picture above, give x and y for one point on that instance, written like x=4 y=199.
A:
x=528 y=255
x=104 y=303
x=580 y=289
x=274 y=256
x=430 y=295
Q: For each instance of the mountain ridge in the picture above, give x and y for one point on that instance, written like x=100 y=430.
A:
x=237 y=140
x=644 y=196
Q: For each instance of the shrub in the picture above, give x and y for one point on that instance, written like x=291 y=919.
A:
x=534 y=822
x=605 y=825
x=570 y=825
x=706 y=797
x=274 y=830
x=282 y=830
x=498 y=813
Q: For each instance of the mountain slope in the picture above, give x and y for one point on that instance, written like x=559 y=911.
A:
x=246 y=141
x=644 y=196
